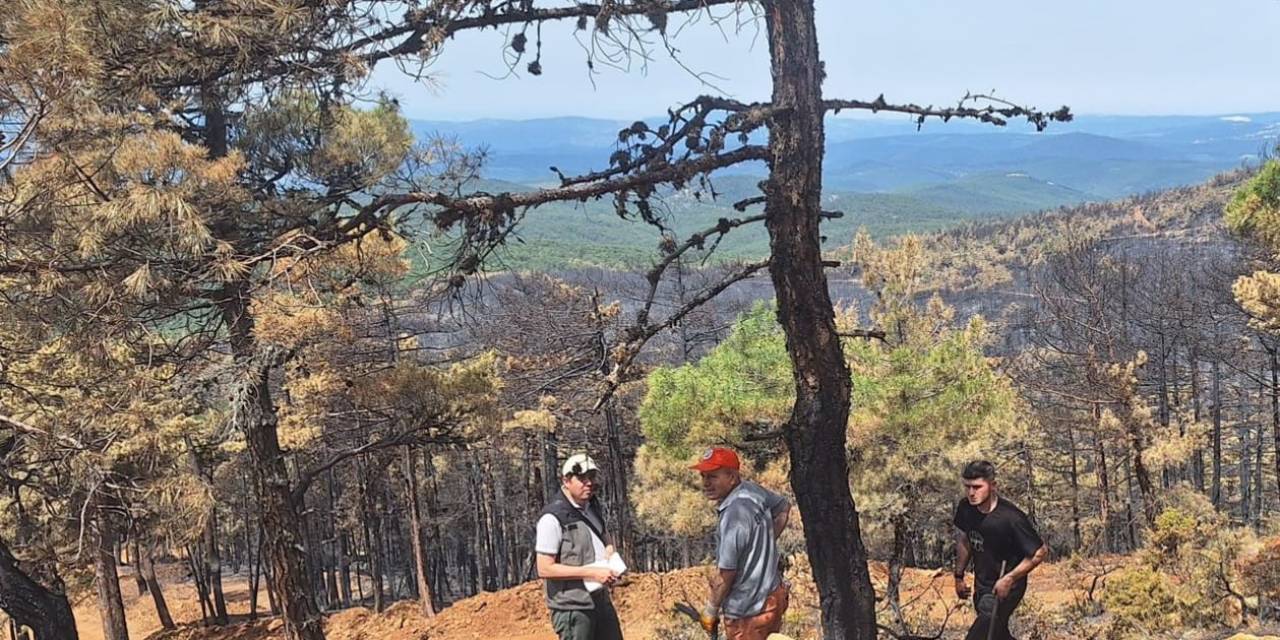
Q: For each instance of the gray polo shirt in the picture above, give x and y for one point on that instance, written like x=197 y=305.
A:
x=745 y=543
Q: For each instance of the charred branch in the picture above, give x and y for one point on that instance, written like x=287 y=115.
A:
x=997 y=111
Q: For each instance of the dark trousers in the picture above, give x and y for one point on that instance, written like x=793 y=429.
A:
x=1003 y=611
x=598 y=623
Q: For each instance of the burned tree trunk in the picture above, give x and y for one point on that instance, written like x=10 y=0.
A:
x=30 y=604
x=1216 y=437
x=550 y=465
x=1104 y=483
x=1138 y=444
x=147 y=567
x=1077 y=540
x=196 y=567
x=284 y=552
x=815 y=432
x=344 y=569
x=372 y=509
x=107 y=579
x=213 y=567
x=618 y=480
x=134 y=553
x=893 y=590
x=254 y=414
x=1197 y=457
x=1275 y=409
x=415 y=534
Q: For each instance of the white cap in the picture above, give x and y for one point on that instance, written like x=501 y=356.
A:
x=578 y=464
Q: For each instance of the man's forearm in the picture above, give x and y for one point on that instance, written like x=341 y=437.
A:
x=780 y=522
x=720 y=590
x=549 y=568
x=557 y=571
x=1029 y=564
x=962 y=559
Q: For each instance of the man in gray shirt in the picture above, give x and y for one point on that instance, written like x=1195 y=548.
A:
x=749 y=593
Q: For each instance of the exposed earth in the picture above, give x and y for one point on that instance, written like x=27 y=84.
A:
x=644 y=603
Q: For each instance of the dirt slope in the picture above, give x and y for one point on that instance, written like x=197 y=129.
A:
x=644 y=603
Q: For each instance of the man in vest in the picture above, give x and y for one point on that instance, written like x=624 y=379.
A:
x=748 y=592
x=571 y=537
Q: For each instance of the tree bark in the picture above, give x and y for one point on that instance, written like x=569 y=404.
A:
x=1217 y=435
x=1076 y=537
x=30 y=604
x=213 y=567
x=1146 y=490
x=332 y=531
x=1275 y=412
x=331 y=578
x=315 y=552
x=1163 y=409
x=618 y=474
x=344 y=569
x=550 y=465
x=135 y=553
x=439 y=552
x=373 y=534
x=1257 y=476
x=893 y=590
x=815 y=433
x=415 y=534
x=481 y=552
x=107 y=581
x=495 y=499
x=254 y=414
x=1130 y=523
x=255 y=576
x=202 y=586
x=273 y=600
x=1197 y=459
x=1030 y=499
x=146 y=565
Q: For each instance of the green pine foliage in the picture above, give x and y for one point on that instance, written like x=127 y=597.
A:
x=926 y=399
x=1254 y=211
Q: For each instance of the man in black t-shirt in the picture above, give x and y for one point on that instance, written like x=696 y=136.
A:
x=1004 y=546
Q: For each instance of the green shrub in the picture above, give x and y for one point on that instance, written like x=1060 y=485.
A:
x=1143 y=600
x=1173 y=529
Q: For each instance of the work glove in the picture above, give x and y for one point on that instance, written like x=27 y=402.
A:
x=710 y=619
x=987 y=603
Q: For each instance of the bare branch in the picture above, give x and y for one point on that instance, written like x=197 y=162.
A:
x=866 y=334
x=488 y=219
x=23 y=427
x=637 y=336
x=997 y=112
x=685 y=124
x=414 y=435
x=419 y=27
x=697 y=240
x=455 y=209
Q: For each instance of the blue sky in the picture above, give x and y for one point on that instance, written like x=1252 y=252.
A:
x=1098 y=56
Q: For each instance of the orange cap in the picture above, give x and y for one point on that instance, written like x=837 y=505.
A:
x=717 y=458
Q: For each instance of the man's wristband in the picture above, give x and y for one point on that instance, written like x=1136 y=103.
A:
x=959 y=575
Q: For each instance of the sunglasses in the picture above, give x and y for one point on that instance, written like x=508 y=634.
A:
x=584 y=476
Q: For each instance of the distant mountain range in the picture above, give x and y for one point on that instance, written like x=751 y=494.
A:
x=1103 y=156
x=886 y=176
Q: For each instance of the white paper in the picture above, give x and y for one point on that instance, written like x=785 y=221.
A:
x=614 y=563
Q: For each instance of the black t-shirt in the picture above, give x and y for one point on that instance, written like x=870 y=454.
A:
x=1006 y=534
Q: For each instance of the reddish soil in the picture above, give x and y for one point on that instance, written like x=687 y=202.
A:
x=644 y=603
